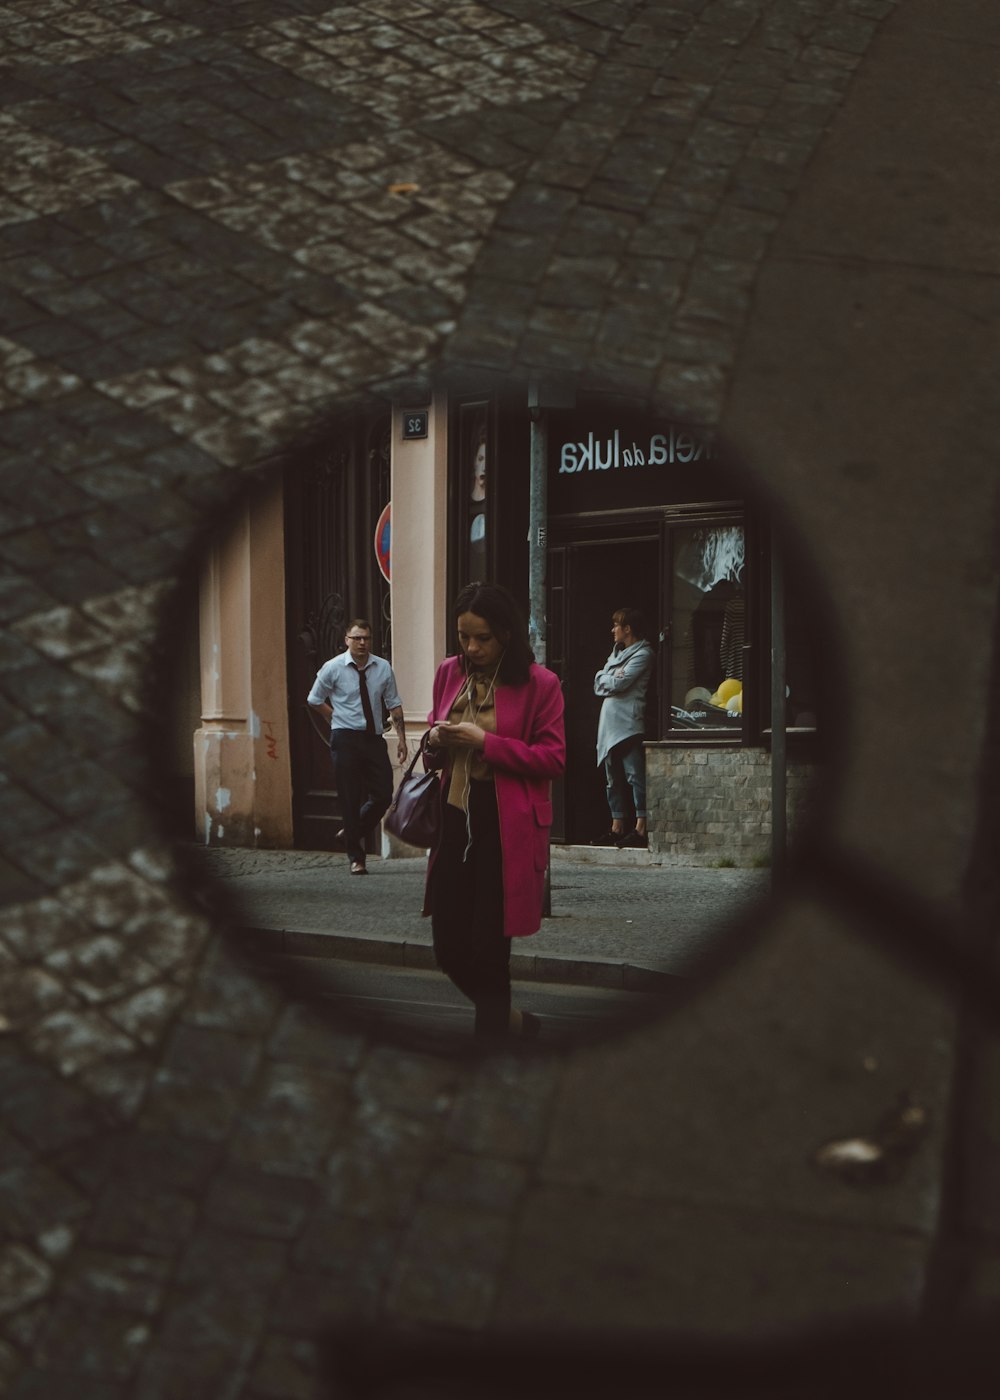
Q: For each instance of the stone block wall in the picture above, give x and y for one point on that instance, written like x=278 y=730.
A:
x=708 y=806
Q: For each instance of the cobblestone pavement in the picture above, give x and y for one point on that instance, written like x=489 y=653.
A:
x=218 y=220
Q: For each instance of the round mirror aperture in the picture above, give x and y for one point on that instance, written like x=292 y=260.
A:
x=622 y=776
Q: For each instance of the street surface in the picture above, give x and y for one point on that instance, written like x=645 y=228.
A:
x=425 y=1010
x=616 y=912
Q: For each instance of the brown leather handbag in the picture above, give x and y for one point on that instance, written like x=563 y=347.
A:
x=414 y=814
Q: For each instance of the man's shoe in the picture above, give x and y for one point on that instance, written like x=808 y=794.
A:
x=634 y=841
x=339 y=836
x=358 y=867
x=610 y=838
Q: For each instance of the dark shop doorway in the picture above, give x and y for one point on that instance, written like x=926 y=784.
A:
x=590 y=580
x=333 y=498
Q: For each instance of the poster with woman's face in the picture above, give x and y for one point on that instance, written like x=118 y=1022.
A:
x=479 y=472
x=477 y=508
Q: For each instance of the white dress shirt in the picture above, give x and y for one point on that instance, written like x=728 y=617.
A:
x=338 y=685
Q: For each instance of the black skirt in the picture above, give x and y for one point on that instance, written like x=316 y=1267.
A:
x=467 y=908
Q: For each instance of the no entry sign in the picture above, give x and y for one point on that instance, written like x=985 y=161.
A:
x=383 y=533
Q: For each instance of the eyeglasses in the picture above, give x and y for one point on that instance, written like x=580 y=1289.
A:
x=354 y=637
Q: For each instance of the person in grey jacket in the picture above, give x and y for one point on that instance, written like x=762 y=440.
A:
x=623 y=681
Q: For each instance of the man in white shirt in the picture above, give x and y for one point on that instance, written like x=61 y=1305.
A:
x=350 y=690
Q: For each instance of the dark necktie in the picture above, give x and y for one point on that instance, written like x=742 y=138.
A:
x=366 y=703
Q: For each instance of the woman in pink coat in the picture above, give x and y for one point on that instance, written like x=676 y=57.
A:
x=497 y=729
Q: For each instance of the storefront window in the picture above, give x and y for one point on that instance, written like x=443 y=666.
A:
x=471 y=445
x=477 y=504
x=707 y=621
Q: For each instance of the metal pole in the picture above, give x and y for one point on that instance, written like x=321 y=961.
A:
x=537 y=542
x=537 y=549
x=778 y=754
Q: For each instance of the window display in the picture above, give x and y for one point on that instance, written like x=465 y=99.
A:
x=707 y=618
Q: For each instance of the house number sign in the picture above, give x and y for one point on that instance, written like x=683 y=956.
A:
x=414 y=423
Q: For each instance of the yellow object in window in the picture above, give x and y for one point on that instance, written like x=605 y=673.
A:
x=726 y=691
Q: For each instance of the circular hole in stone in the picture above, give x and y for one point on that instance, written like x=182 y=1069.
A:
x=594 y=510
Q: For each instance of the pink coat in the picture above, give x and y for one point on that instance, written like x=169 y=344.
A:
x=526 y=752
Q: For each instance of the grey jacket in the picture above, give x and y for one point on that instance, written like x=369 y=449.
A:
x=623 y=681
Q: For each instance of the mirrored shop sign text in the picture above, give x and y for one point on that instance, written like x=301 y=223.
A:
x=617 y=450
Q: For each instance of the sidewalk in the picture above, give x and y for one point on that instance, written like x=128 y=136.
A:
x=615 y=922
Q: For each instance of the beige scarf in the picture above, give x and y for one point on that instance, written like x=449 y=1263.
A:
x=475 y=702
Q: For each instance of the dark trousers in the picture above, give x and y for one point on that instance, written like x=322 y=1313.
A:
x=364 y=782
x=467 y=910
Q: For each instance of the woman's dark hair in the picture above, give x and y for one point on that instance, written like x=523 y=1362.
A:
x=631 y=617
x=496 y=605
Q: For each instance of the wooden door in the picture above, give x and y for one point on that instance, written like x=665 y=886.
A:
x=333 y=500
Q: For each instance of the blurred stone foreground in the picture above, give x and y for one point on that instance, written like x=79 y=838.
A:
x=202 y=1175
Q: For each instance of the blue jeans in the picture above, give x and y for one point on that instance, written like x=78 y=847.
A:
x=624 y=768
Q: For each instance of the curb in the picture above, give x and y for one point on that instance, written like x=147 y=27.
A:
x=611 y=856
x=524 y=967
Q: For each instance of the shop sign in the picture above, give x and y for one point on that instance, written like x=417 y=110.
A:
x=616 y=451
